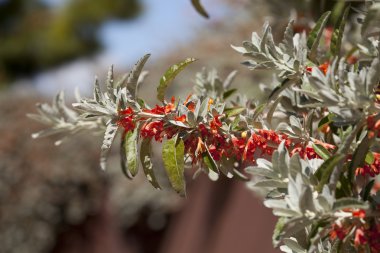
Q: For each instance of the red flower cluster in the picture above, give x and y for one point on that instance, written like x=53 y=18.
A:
x=370 y=169
x=323 y=67
x=373 y=127
x=304 y=152
x=364 y=233
x=153 y=129
x=368 y=236
x=243 y=148
x=127 y=119
x=339 y=231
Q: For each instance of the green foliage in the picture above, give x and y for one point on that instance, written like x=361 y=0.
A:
x=146 y=161
x=337 y=36
x=316 y=34
x=169 y=75
x=129 y=147
x=173 y=157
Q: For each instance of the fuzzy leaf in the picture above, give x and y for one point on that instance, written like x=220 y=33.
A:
x=146 y=161
x=209 y=161
x=173 y=158
x=109 y=136
x=278 y=230
x=134 y=75
x=316 y=33
x=324 y=172
x=321 y=151
x=129 y=153
x=234 y=111
x=336 y=39
x=169 y=75
x=349 y=203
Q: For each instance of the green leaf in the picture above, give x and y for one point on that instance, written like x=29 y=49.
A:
x=325 y=121
x=272 y=110
x=293 y=245
x=169 y=75
x=199 y=8
x=133 y=76
x=367 y=190
x=228 y=93
x=286 y=83
x=209 y=161
x=336 y=39
x=129 y=163
x=173 y=158
x=146 y=161
x=278 y=230
x=321 y=151
x=323 y=173
x=234 y=111
x=369 y=158
x=315 y=35
x=258 y=110
x=343 y=203
x=359 y=157
x=239 y=175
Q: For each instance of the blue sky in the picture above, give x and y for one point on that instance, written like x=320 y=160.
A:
x=164 y=25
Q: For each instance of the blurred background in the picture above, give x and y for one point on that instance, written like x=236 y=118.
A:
x=56 y=199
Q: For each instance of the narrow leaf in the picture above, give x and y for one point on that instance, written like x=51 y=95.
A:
x=349 y=203
x=109 y=136
x=134 y=75
x=146 y=161
x=230 y=78
x=129 y=153
x=169 y=75
x=316 y=33
x=199 y=8
x=234 y=111
x=367 y=190
x=321 y=151
x=324 y=172
x=336 y=39
x=272 y=110
x=228 y=93
x=173 y=158
x=359 y=157
x=209 y=161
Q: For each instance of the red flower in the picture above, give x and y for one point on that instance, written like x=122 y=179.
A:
x=153 y=129
x=370 y=169
x=215 y=124
x=181 y=118
x=339 y=231
x=126 y=119
x=162 y=110
x=359 y=213
x=352 y=59
x=360 y=237
x=323 y=67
